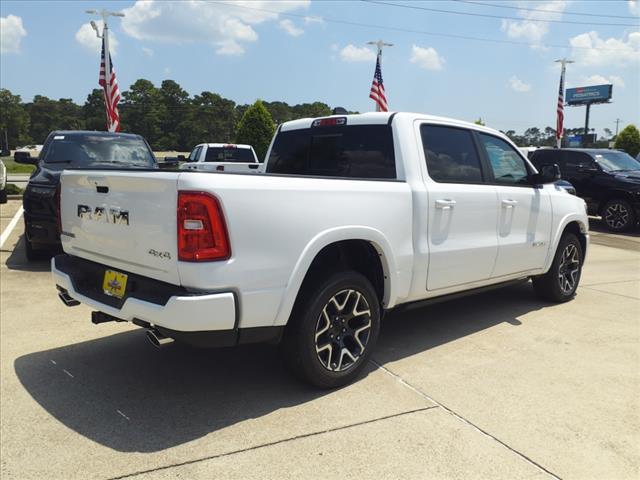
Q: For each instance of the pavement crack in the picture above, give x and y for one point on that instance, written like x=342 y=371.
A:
x=271 y=444
x=464 y=420
x=611 y=293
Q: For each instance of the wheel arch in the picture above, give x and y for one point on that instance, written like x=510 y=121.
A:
x=575 y=224
x=354 y=245
x=613 y=195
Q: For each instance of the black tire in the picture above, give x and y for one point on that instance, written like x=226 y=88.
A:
x=3 y=196
x=32 y=254
x=308 y=347
x=618 y=215
x=560 y=283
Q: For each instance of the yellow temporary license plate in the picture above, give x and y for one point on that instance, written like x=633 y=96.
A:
x=114 y=283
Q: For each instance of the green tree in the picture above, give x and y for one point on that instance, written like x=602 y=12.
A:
x=14 y=120
x=479 y=121
x=93 y=111
x=44 y=117
x=177 y=107
x=142 y=111
x=211 y=119
x=256 y=129
x=629 y=140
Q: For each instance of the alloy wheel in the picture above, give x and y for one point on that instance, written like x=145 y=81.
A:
x=569 y=269
x=343 y=330
x=616 y=215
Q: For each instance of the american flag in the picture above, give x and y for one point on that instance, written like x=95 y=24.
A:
x=111 y=93
x=377 y=89
x=560 y=109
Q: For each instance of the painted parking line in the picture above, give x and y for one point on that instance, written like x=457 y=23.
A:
x=10 y=227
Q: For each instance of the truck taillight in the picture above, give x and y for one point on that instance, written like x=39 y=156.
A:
x=202 y=232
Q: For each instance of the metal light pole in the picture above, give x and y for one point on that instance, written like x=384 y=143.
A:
x=379 y=44
x=564 y=63
x=105 y=35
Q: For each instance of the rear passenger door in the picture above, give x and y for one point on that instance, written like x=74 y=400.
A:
x=463 y=209
x=524 y=220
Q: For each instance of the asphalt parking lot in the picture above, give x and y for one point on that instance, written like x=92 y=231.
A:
x=499 y=385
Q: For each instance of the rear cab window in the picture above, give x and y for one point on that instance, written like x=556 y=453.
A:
x=341 y=151
x=229 y=153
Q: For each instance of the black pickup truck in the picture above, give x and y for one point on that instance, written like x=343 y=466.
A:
x=64 y=150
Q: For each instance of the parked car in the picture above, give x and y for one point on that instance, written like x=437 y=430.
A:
x=608 y=180
x=3 y=183
x=355 y=215
x=71 y=149
x=222 y=157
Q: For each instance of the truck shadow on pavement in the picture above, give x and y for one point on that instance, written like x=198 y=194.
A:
x=17 y=260
x=122 y=393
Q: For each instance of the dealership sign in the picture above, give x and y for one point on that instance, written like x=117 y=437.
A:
x=593 y=94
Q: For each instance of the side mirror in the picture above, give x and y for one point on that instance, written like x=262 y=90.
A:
x=549 y=173
x=25 y=158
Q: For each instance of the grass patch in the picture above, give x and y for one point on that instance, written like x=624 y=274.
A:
x=13 y=167
x=13 y=189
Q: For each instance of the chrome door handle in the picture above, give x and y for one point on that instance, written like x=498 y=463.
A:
x=445 y=204
x=508 y=203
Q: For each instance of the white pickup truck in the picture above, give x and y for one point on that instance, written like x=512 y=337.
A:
x=353 y=216
x=222 y=157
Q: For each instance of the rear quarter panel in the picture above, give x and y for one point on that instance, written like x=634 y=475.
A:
x=278 y=224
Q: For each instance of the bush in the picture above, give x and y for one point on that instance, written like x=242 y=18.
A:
x=629 y=140
x=256 y=128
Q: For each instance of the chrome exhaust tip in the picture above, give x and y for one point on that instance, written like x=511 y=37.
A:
x=158 y=340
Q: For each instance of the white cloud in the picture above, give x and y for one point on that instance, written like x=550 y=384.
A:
x=148 y=51
x=11 y=34
x=593 y=51
x=167 y=70
x=351 y=53
x=427 y=58
x=223 y=25
x=289 y=27
x=518 y=85
x=599 y=80
x=531 y=28
x=634 y=7
x=86 y=37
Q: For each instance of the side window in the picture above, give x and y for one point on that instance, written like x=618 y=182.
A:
x=195 y=153
x=450 y=154
x=508 y=167
x=574 y=159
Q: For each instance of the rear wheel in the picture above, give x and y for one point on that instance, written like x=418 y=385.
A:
x=332 y=330
x=560 y=283
x=618 y=215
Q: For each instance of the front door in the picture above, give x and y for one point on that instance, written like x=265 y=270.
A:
x=524 y=219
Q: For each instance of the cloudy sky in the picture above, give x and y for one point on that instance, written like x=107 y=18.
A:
x=494 y=62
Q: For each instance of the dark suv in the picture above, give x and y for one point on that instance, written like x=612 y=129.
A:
x=608 y=180
x=71 y=149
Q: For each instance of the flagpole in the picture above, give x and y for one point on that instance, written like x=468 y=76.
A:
x=107 y=53
x=379 y=44
x=563 y=62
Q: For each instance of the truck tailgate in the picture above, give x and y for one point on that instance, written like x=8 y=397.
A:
x=123 y=219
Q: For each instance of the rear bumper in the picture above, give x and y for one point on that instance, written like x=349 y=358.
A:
x=179 y=311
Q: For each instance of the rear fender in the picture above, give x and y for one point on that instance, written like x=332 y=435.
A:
x=323 y=239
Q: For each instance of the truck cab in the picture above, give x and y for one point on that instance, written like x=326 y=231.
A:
x=222 y=157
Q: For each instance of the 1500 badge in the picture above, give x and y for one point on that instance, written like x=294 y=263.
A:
x=100 y=214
